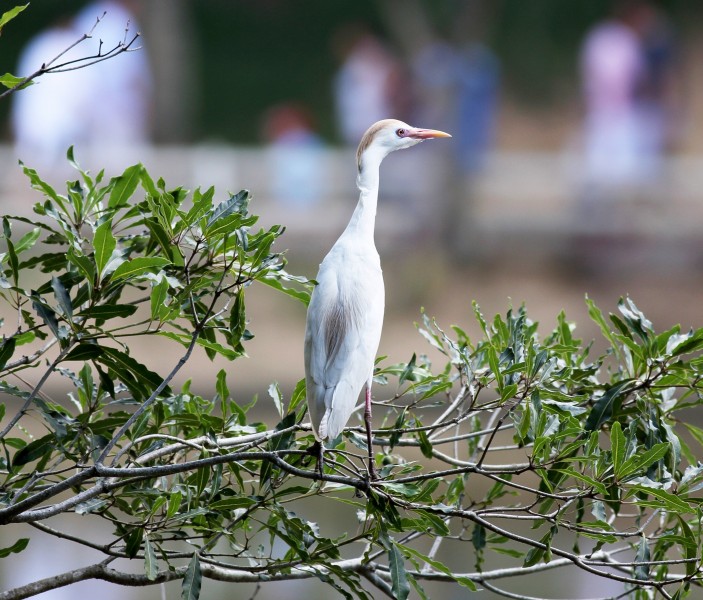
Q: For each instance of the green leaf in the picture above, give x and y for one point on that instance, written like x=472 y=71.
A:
x=589 y=481
x=431 y=521
x=408 y=371
x=617 y=446
x=642 y=461
x=7 y=16
x=635 y=319
x=10 y=81
x=159 y=294
x=407 y=490
x=17 y=547
x=140 y=380
x=139 y=266
x=151 y=566
x=597 y=316
x=275 y=282
x=232 y=503
x=28 y=240
x=221 y=385
x=11 y=253
x=183 y=339
x=280 y=442
x=7 y=349
x=159 y=234
x=297 y=396
x=478 y=538
x=34 y=450
x=47 y=315
x=108 y=311
x=174 y=503
x=84 y=352
x=604 y=407
x=192 y=580
x=124 y=186
x=103 y=243
x=237 y=318
x=275 y=394
x=62 y=297
x=236 y=203
x=437 y=566
x=134 y=541
x=425 y=444
x=667 y=500
x=84 y=264
x=534 y=556
x=690 y=546
x=641 y=571
x=399 y=577
x=90 y=506
x=218 y=348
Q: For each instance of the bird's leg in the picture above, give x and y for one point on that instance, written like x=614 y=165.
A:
x=367 y=419
x=317 y=450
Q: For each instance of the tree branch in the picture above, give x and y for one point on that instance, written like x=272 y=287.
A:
x=78 y=63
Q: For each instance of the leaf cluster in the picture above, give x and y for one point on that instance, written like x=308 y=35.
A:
x=522 y=447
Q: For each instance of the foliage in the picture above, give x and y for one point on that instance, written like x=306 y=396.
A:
x=595 y=452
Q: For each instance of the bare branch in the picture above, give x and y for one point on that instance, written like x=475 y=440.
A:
x=50 y=67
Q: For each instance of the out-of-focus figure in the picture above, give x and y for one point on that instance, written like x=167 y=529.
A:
x=295 y=156
x=120 y=90
x=477 y=106
x=366 y=85
x=458 y=90
x=105 y=105
x=612 y=68
x=46 y=117
x=626 y=64
x=657 y=93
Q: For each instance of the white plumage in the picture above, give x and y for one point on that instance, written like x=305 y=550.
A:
x=345 y=315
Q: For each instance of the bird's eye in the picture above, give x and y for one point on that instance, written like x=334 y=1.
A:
x=400 y=132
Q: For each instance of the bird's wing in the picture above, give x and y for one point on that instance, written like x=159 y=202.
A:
x=342 y=334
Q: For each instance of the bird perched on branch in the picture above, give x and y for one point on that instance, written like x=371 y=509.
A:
x=345 y=315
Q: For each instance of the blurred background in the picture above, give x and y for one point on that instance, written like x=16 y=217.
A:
x=576 y=165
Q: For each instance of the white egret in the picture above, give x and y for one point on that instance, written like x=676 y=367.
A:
x=345 y=315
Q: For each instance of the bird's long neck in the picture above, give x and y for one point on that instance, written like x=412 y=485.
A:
x=364 y=218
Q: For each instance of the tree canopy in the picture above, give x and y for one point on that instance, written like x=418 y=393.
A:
x=522 y=453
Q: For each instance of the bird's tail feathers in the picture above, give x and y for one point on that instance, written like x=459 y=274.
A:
x=338 y=410
x=323 y=429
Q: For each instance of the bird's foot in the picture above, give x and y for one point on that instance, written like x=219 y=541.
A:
x=317 y=450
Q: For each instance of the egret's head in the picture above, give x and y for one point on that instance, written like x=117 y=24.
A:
x=388 y=135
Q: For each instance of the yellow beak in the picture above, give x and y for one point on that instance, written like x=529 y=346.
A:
x=426 y=134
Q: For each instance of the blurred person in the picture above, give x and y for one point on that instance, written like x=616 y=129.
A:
x=295 y=156
x=612 y=67
x=656 y=94
x=436 y=72
x=104 y=105
x=121 y=88
x=366 y=87
x=458 y=91
x=46 y=117
x=479 y=82
x=627 y=63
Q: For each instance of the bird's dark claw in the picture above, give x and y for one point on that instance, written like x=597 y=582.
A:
x=317 y=451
